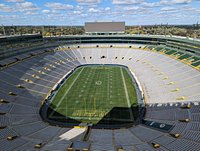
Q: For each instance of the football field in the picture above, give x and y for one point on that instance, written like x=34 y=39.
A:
x=96 y=92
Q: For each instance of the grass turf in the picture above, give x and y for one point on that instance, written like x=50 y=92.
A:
x=91 y=92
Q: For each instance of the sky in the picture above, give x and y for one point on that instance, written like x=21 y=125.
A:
x=77 y=12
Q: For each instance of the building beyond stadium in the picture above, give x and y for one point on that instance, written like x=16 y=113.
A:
x=104 y=28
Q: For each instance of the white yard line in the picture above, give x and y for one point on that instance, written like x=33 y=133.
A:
x=125 y=89
x=69 y=88
x=108 y=87
x=127 y=96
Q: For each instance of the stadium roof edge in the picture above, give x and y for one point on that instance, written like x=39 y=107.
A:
x=15 y=36
x=184 y=39
x=179 y=38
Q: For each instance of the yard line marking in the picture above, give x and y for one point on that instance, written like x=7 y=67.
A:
x=127 y=96
x=125 y=89
x=108 y=87
x=69 y=88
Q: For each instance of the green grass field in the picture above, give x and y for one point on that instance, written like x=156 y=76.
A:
x=91 y=93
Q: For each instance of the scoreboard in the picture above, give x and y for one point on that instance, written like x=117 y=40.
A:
x=105 y=27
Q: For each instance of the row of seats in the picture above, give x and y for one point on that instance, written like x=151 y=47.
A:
x=25 y=84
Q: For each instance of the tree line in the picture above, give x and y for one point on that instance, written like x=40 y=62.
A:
x=178 y=30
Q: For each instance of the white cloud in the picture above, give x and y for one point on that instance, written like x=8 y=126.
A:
x=170 y=2
x=46 y=11
x=5 y=8
x=107 y=9
x=154 y=4
x=59 y=6
x=79 y=7
x=92 y=10
x=26 y=6
x=168 y=9
x=30 y=13
x=126 y=2
x=181 y=1
x=12 y=17
x=132 y=11
x=133 y=8
x=15 y=1
x=88 y=2
x=77 y=12
x=165 y=3
x=84 y=15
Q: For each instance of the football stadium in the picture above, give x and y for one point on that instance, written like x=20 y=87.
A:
x=99 y=92
x=104 y=90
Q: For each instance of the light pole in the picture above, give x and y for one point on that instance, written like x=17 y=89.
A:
x=4 y=32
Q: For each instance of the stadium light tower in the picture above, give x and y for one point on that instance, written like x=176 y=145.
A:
x=165 y=28
x=195 y=34
x=13 y=29
x=4 y=32
x=195 y=31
